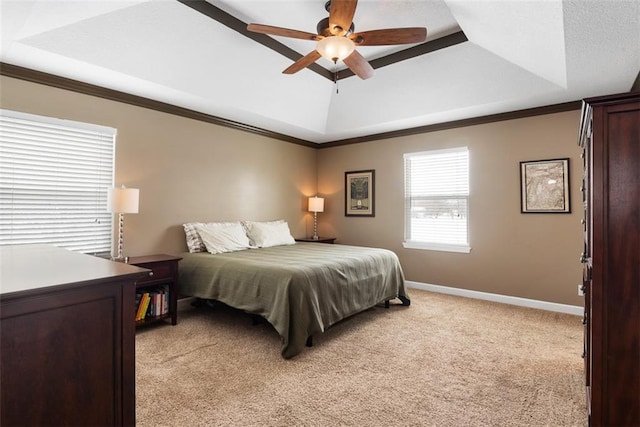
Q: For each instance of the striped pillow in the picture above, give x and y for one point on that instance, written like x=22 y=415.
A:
x=194 y=242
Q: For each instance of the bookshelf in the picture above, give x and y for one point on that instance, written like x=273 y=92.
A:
x=157 y=294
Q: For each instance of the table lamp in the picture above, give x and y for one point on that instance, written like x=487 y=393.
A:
x=316 y=204
x=121 y=201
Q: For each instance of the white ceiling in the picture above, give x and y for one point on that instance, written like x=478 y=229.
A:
x=520 y=54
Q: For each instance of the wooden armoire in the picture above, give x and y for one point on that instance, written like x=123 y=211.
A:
x=610 y=142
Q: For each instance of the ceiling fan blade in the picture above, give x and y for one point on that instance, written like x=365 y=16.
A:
x=303 y=62
x=390 y=36
x=284 y=32
x=359 y=65
x=341 y=16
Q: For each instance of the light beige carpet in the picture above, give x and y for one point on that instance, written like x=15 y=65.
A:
x=444 y=361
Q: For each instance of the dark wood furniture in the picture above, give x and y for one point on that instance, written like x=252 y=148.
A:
x=610 y=141
x=320 y=239
x=164 y=273
x=67 y=337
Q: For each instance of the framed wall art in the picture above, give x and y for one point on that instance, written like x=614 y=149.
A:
x=359 y=190
x=544 y=186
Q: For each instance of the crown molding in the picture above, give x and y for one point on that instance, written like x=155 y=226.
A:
x=518 y=114
x=47 y=79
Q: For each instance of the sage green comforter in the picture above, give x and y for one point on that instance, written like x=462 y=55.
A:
x=300 y=289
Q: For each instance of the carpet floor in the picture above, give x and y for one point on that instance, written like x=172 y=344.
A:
x=443 y=361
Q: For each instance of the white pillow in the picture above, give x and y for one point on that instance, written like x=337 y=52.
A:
x=220 y=237
x=249 y=227
x=270 y=233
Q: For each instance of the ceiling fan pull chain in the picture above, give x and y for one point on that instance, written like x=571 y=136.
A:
x=335 y=76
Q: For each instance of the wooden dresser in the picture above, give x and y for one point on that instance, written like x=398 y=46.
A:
x=610 y=141
x=67 y=335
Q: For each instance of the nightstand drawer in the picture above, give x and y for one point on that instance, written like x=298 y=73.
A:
x=159 y=272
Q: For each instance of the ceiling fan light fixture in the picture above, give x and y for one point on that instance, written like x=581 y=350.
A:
x=335 y=48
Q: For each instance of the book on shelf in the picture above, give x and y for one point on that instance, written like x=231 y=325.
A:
x=152 y=302
x=142 y=306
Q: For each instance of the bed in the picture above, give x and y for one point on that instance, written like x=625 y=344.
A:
x=300 y=289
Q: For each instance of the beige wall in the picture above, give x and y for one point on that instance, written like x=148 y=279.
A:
x=524 y=255
x=186 y=170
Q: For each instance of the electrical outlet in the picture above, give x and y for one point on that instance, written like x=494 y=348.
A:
x=580 y=290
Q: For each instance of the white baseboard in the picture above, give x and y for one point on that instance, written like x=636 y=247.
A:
x=505 y=299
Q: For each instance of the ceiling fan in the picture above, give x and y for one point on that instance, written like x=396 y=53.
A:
x=337 y=40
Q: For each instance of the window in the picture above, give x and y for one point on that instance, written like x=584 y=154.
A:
x=54 y=176
x=437 y=200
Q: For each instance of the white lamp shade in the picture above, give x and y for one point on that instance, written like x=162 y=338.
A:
x=123 y=200
x=335 y=48
x=316 y=204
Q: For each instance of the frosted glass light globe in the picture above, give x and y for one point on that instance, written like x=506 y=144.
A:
x=335 y=48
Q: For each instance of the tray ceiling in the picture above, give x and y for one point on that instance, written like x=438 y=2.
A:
x=519 y=55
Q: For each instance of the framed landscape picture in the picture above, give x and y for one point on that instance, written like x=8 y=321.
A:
x=544 y=186
x=359 y=190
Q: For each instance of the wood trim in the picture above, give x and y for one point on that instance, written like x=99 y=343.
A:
x=40 y=77
x=235 y=24
x=538 y=111
x=43 y=78
x=224 y=18
x=412 y=52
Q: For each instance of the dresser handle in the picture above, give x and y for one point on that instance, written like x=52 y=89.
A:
x=583 y=258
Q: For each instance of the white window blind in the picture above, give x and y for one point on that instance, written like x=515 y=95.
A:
x=54 y=176
x=437 y=200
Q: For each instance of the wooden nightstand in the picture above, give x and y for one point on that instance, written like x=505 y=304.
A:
x=320 y=239
x=161 y=288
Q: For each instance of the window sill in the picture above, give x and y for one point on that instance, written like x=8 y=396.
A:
x=436 y=247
